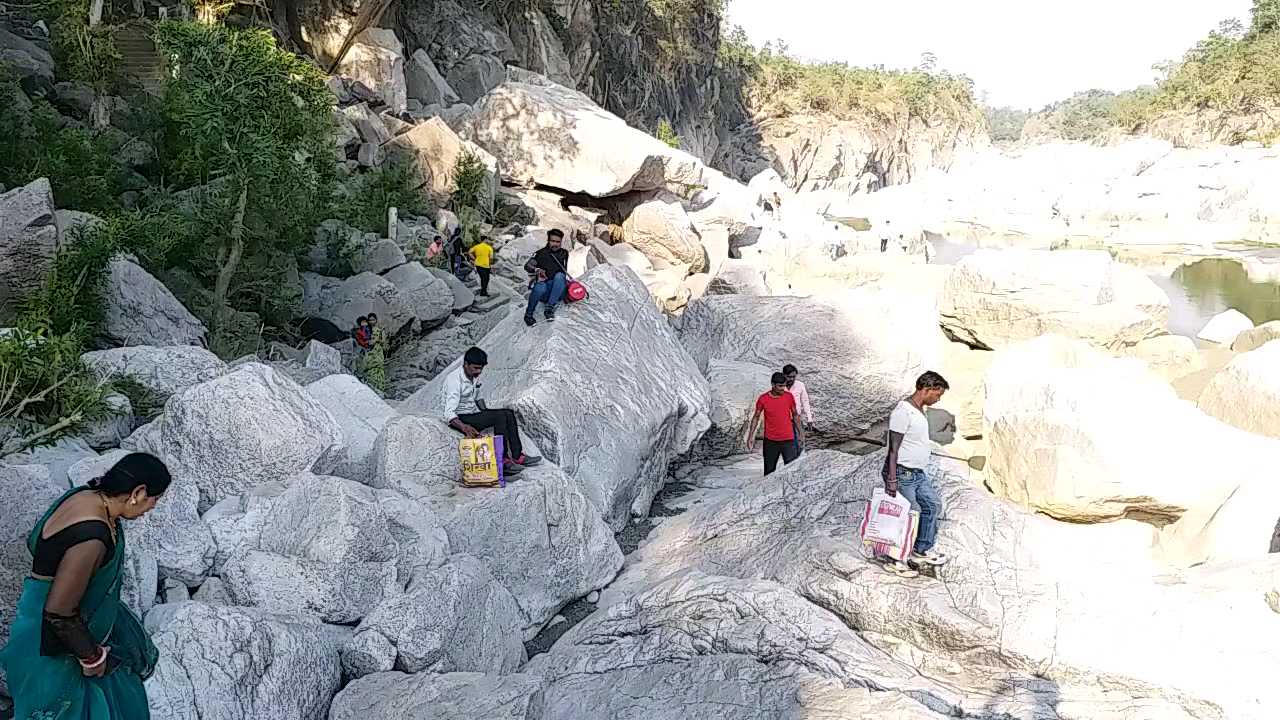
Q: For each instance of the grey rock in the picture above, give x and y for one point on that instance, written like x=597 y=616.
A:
x=378 y=257
x=429 y=298
x=360 y=414
x=28 y=239
x=140 y=310
x=860 y=351
x=318 y=356
x=540 y=536
x=463 y=296
x=369 y=155
x=432 y=149
x=26 y=492
x=332 y=242
x=417 y=457
x=15 y=568
x=342 y=301
x=311 y=517
x=213 y=592
x=376 y=59
x=738 y=277
x=336 y=592
x=32 y=64
x=72 y=222
x=475 y=76
x=425 y=83
x=367 y=124
x=226 y=663
x=163 y=371
x=415 y=527
x=59 y=458
x=111 y=429
x=615 y=444
x=245 y=428
x=452 y=696
x=366 y=654
x=175 y=592
x=457 y=617
x=734 y=389
x=141 y=579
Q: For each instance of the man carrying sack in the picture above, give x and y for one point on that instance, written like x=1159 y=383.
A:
x=464 y=411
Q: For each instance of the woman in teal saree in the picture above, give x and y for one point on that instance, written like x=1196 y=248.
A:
x=75 y=652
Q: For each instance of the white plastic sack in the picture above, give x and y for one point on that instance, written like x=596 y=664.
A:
x=889 y=525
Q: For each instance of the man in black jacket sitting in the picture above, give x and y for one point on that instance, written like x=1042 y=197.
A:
x=549 y=268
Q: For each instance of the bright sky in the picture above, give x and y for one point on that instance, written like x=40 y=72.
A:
x=1024 y=53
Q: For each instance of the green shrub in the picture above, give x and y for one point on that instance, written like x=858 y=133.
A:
x=46 y=393
x=471 y=184
x=667 y=134
x=365 y=203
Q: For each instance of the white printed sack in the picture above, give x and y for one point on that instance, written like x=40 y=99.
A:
x=889 y=526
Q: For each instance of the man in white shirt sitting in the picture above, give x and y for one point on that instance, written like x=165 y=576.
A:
x=462 y=408
x=909 y=450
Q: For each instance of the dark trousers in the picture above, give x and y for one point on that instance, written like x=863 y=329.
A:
x=788 y=450
x=503 y=422
x=884 y=245
x=484 y=279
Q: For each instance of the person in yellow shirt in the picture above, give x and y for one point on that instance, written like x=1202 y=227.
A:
x=482 y=254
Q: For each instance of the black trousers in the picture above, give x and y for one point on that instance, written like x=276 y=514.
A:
x=484 y=280
x=788 y=450
x=503 y=422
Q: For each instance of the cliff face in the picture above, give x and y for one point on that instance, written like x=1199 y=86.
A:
x=646 y=63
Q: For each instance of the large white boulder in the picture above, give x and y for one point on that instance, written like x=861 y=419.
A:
x=1257 y=337
x=1066 y=615
x=660 y=228
x=860 y=351
x=1171 y=356
x=139 y=310
x=433 y=149
x=28 y=239
x=1246 y=393
x=341 y=302
x=1071 y=434
x=735 y=386
x=547 y=134
x=615 y=443
x=360 y=414
x=997 y=297
x=335 y=592
x=428 y=297
x=243 y=429
x=455 y=618
x=376 y=58
x=229 y=663
x=161 y=370
x=450 y=696
x=1225 y=327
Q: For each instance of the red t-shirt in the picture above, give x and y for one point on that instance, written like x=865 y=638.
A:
x=777 y=416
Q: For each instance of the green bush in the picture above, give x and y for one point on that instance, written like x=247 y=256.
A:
x=46 y=393
x=667 y=134
x=367 y=197
x=471 y=184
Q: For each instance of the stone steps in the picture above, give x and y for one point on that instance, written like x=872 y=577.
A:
x=140 y=60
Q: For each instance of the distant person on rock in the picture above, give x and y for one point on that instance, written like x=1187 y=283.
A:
x=884 y=237
x=782 y=434
x=482 y=255
x=550 y=275
x=904 y=468
x=464 y=411
x=456 y=253
x=801 y=394
x=363 y=334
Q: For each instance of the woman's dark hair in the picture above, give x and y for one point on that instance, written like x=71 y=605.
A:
x=361 y=319
x=131 y=471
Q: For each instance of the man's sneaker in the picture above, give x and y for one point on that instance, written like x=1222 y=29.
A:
x=549 y=314
x=528 y=320
x=899 y=568
x=510 y=468
x=932 y=557
x=527 y=460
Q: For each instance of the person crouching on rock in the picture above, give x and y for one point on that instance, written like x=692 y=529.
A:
x=363 y=334
x=783 y=436
x=75 y=650
x=548 y=268
x=464 y=411
x=909 y=450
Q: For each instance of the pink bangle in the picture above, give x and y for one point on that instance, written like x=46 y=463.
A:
x=102 y=657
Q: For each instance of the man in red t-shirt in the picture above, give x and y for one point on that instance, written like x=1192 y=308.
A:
x=779 y=410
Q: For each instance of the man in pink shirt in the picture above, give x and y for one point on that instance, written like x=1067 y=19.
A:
x=797 y=389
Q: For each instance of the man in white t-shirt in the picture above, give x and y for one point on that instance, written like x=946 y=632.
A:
x=909 y=450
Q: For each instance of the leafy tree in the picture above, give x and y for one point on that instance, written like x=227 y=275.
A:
x=471 y=184
x=667 y=134
x=1004 y=124
x=1266 y=17
x=252 y=124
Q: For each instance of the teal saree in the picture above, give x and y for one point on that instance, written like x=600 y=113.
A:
x=54 y=688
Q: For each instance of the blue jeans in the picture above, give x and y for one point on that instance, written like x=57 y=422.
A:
x=550 y=291
x=918 y=489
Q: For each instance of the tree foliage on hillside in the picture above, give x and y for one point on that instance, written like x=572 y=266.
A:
x=779 y=83
x=250 y=123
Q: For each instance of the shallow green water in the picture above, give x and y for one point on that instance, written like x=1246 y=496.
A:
x=1207 y=287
